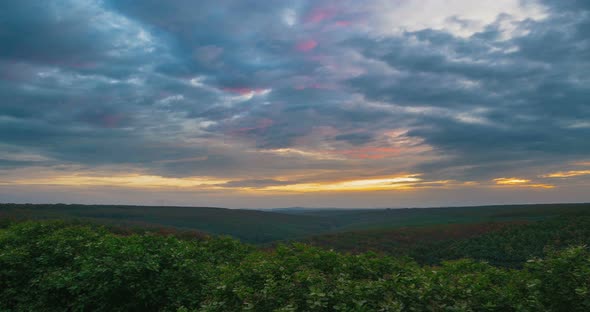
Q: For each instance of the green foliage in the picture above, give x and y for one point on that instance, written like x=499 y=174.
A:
x=51 y=266
x=56 y=266
x=563 y=280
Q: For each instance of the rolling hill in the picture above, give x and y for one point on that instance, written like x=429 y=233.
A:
x=254 y=226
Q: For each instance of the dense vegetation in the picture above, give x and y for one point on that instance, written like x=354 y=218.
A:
x=57 y=266
x=247 y=225
x=505 y=244
x=261 y=227
x=131 y=258
x=510 y=246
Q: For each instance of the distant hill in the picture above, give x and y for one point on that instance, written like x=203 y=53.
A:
x=255 y=226
x=248 y=225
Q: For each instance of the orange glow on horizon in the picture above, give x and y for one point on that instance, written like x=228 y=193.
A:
x=567 y=174
x=403 y=182
x=285 y=184
x=130 y=180
x=519 y=182
x=511 y=181
x=400 y=182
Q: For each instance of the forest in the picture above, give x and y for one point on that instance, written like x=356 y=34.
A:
x=539 y=263
x=507 y=244
x=269 y=226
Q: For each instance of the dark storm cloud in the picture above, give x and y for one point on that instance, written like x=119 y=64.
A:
x=160 y=84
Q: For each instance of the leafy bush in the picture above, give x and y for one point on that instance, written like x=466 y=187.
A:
x=51 y=266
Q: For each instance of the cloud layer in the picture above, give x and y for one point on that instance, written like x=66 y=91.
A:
x=273 y=98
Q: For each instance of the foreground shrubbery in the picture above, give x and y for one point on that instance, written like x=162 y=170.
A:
x=51 y=266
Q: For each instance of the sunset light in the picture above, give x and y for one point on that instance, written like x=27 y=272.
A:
x=262 y=104
x=308 y=155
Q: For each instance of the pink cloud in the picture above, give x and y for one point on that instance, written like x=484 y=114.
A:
x=307 y=45
x=319 y=14
x=343 y=23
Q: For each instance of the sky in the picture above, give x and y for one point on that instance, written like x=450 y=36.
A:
x=324 y=103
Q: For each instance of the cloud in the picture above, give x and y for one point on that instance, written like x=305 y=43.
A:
x=355 y=138
x=256 y=183
x=262 y=92
x=524 y=103
x=567 y=174
x=307 y=45
x=520 y=182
